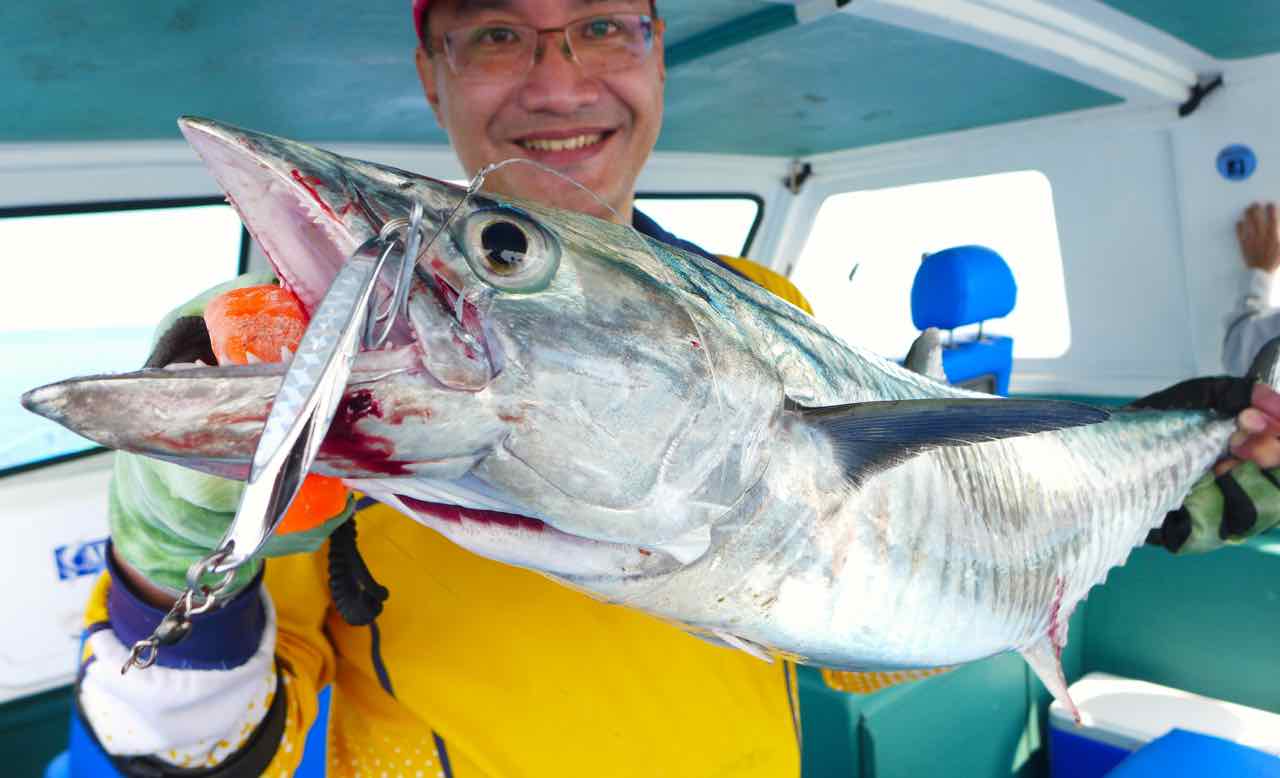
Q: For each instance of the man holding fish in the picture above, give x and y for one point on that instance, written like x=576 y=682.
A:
x=469 y=667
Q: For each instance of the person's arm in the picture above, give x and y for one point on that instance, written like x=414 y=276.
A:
x=237 y=695
x=1253 y=321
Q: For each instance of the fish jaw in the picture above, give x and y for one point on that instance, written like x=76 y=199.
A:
x=287 y=202
x=392 y=421
x=310 y=210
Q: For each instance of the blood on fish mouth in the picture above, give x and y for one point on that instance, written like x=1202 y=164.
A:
x=456 y=514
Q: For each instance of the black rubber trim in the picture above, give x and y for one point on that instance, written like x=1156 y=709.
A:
x=249 y=762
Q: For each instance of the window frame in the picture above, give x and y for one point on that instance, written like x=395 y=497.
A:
x=752 y=196
x=111 y=206
x=861 y=178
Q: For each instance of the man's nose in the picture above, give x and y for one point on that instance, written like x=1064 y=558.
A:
x=556 y=83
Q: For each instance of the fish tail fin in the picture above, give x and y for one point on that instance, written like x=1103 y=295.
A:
x=1266 y=365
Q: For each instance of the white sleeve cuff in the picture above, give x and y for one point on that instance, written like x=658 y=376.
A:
x=189 y=718
x=1257 y=286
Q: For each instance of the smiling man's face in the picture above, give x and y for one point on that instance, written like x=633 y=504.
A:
x=597 y=128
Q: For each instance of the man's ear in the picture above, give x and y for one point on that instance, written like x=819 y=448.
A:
x=427 y=75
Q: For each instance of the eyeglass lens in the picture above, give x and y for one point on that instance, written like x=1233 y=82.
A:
x=599 y=44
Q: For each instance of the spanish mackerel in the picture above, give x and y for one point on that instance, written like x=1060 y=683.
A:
x=642 y=424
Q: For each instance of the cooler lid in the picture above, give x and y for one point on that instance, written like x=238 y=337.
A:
x=1127 y=713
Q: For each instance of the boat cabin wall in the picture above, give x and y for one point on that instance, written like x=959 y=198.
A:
x=1145 y=224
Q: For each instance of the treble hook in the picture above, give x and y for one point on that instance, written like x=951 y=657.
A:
x=378 y=325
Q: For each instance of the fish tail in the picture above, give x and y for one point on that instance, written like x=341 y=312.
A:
x=1266 y=365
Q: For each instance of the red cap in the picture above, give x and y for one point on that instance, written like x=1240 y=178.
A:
x=419 y=11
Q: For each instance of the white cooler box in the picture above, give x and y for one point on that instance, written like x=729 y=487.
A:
x=1122 y=715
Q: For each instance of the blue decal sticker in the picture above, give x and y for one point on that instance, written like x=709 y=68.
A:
x=80 y=559
x=1237 y=162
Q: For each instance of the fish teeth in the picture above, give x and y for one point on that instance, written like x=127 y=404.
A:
x=286 y=354
x=251 y=358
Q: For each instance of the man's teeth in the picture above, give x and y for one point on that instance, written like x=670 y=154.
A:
x=562 y=144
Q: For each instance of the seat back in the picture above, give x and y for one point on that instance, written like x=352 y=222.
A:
x=961 y=286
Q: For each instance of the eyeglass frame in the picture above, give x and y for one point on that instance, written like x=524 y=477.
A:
x=656 y=27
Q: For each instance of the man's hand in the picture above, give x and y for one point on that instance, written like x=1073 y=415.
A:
x=1259 y=235
x=164 y=517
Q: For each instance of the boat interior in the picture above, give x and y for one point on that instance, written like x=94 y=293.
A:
x=1101 y=151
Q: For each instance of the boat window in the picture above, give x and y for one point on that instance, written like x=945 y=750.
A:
x=719 y=223
x=99 y=278
x=861 y=258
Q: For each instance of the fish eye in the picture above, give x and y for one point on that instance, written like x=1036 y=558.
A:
x=508 y=250
x=505 y=246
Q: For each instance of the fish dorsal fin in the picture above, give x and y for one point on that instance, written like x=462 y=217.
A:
x=871 y=436
x=925 y=355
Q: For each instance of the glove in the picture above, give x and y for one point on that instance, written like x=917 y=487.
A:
x=1231 y=508
x=1221 y=510
x=164 y=517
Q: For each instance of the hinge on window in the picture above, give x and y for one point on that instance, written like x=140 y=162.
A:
x=797 y=174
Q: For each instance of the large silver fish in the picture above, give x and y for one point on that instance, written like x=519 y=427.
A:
x=644 y=425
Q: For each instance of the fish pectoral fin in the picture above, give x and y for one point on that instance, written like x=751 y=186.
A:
x=873 y=435
x=1045 y=658
x=718 y=637
x=742 y=644
x=689 y=547
x=925 y=355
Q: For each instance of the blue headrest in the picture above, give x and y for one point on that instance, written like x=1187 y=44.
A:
x=961 y=285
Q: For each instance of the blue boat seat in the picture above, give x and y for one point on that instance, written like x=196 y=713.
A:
x=961 y=286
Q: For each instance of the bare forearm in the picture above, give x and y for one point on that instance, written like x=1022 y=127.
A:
x=136 y=581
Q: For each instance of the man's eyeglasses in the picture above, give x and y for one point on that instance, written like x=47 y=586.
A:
x=599 y=44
